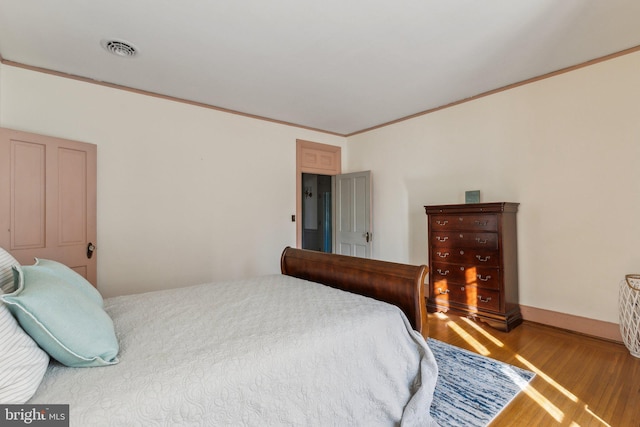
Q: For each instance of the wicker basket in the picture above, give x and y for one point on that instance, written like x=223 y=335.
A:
x=629 y=301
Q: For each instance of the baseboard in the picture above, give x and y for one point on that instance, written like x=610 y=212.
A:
x=583 y=325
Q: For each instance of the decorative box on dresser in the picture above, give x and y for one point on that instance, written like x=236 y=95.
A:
x=473 y=262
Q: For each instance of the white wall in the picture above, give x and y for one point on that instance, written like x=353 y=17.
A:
x=185 y=194
x=1 y=68
x=567 y=148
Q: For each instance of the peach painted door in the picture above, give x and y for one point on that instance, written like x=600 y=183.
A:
x=48 y=200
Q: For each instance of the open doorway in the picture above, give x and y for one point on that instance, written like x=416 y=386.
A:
x=316 y=212
x=349 y=232
x=315 y=160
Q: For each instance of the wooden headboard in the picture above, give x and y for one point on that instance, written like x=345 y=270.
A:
x=398 y=284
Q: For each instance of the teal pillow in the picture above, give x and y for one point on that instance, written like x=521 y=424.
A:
x=62 y=318
x=71 y=277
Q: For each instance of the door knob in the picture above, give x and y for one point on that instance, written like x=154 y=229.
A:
x=90 y=249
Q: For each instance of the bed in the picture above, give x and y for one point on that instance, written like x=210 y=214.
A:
x=284 y=349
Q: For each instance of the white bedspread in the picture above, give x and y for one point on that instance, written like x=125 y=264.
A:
x=263 y=352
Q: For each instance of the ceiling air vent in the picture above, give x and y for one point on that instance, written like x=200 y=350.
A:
x=119 y=48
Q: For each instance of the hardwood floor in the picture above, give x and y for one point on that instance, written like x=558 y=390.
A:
x=580 y=381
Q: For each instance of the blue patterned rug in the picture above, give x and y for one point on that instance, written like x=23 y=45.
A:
x=472 y=389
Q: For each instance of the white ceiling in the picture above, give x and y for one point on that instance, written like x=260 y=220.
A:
x=336 y=65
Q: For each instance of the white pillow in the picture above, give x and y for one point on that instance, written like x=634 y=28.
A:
x=6 y=274
x=22 y=362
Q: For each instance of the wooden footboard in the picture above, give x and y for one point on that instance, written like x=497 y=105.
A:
x=398 y=284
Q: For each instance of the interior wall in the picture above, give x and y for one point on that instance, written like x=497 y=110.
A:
x=1 y=68
x=185 y=194
x=566 y=148
x=188 y=194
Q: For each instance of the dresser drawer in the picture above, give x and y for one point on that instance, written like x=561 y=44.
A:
x=483 y=257
x=486 y=222
x=463 y=239
x=468 y=295
x=485 y=299
x=484 y=277
x=450 y=292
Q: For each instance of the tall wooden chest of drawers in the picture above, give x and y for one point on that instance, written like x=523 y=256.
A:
x=473 y=262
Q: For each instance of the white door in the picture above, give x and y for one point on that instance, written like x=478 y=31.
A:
x=352 y=219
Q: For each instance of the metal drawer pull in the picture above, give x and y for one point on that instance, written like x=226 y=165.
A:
x=479 y=240
x=442 y=239
x=485 y=259
x=484 y=299
x=443 y=255
x=481 y=222
x=443 y=273
x=483 y=279
x=441 y=292
x=445 y=222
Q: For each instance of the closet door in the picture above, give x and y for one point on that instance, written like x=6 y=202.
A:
x=48 y=200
